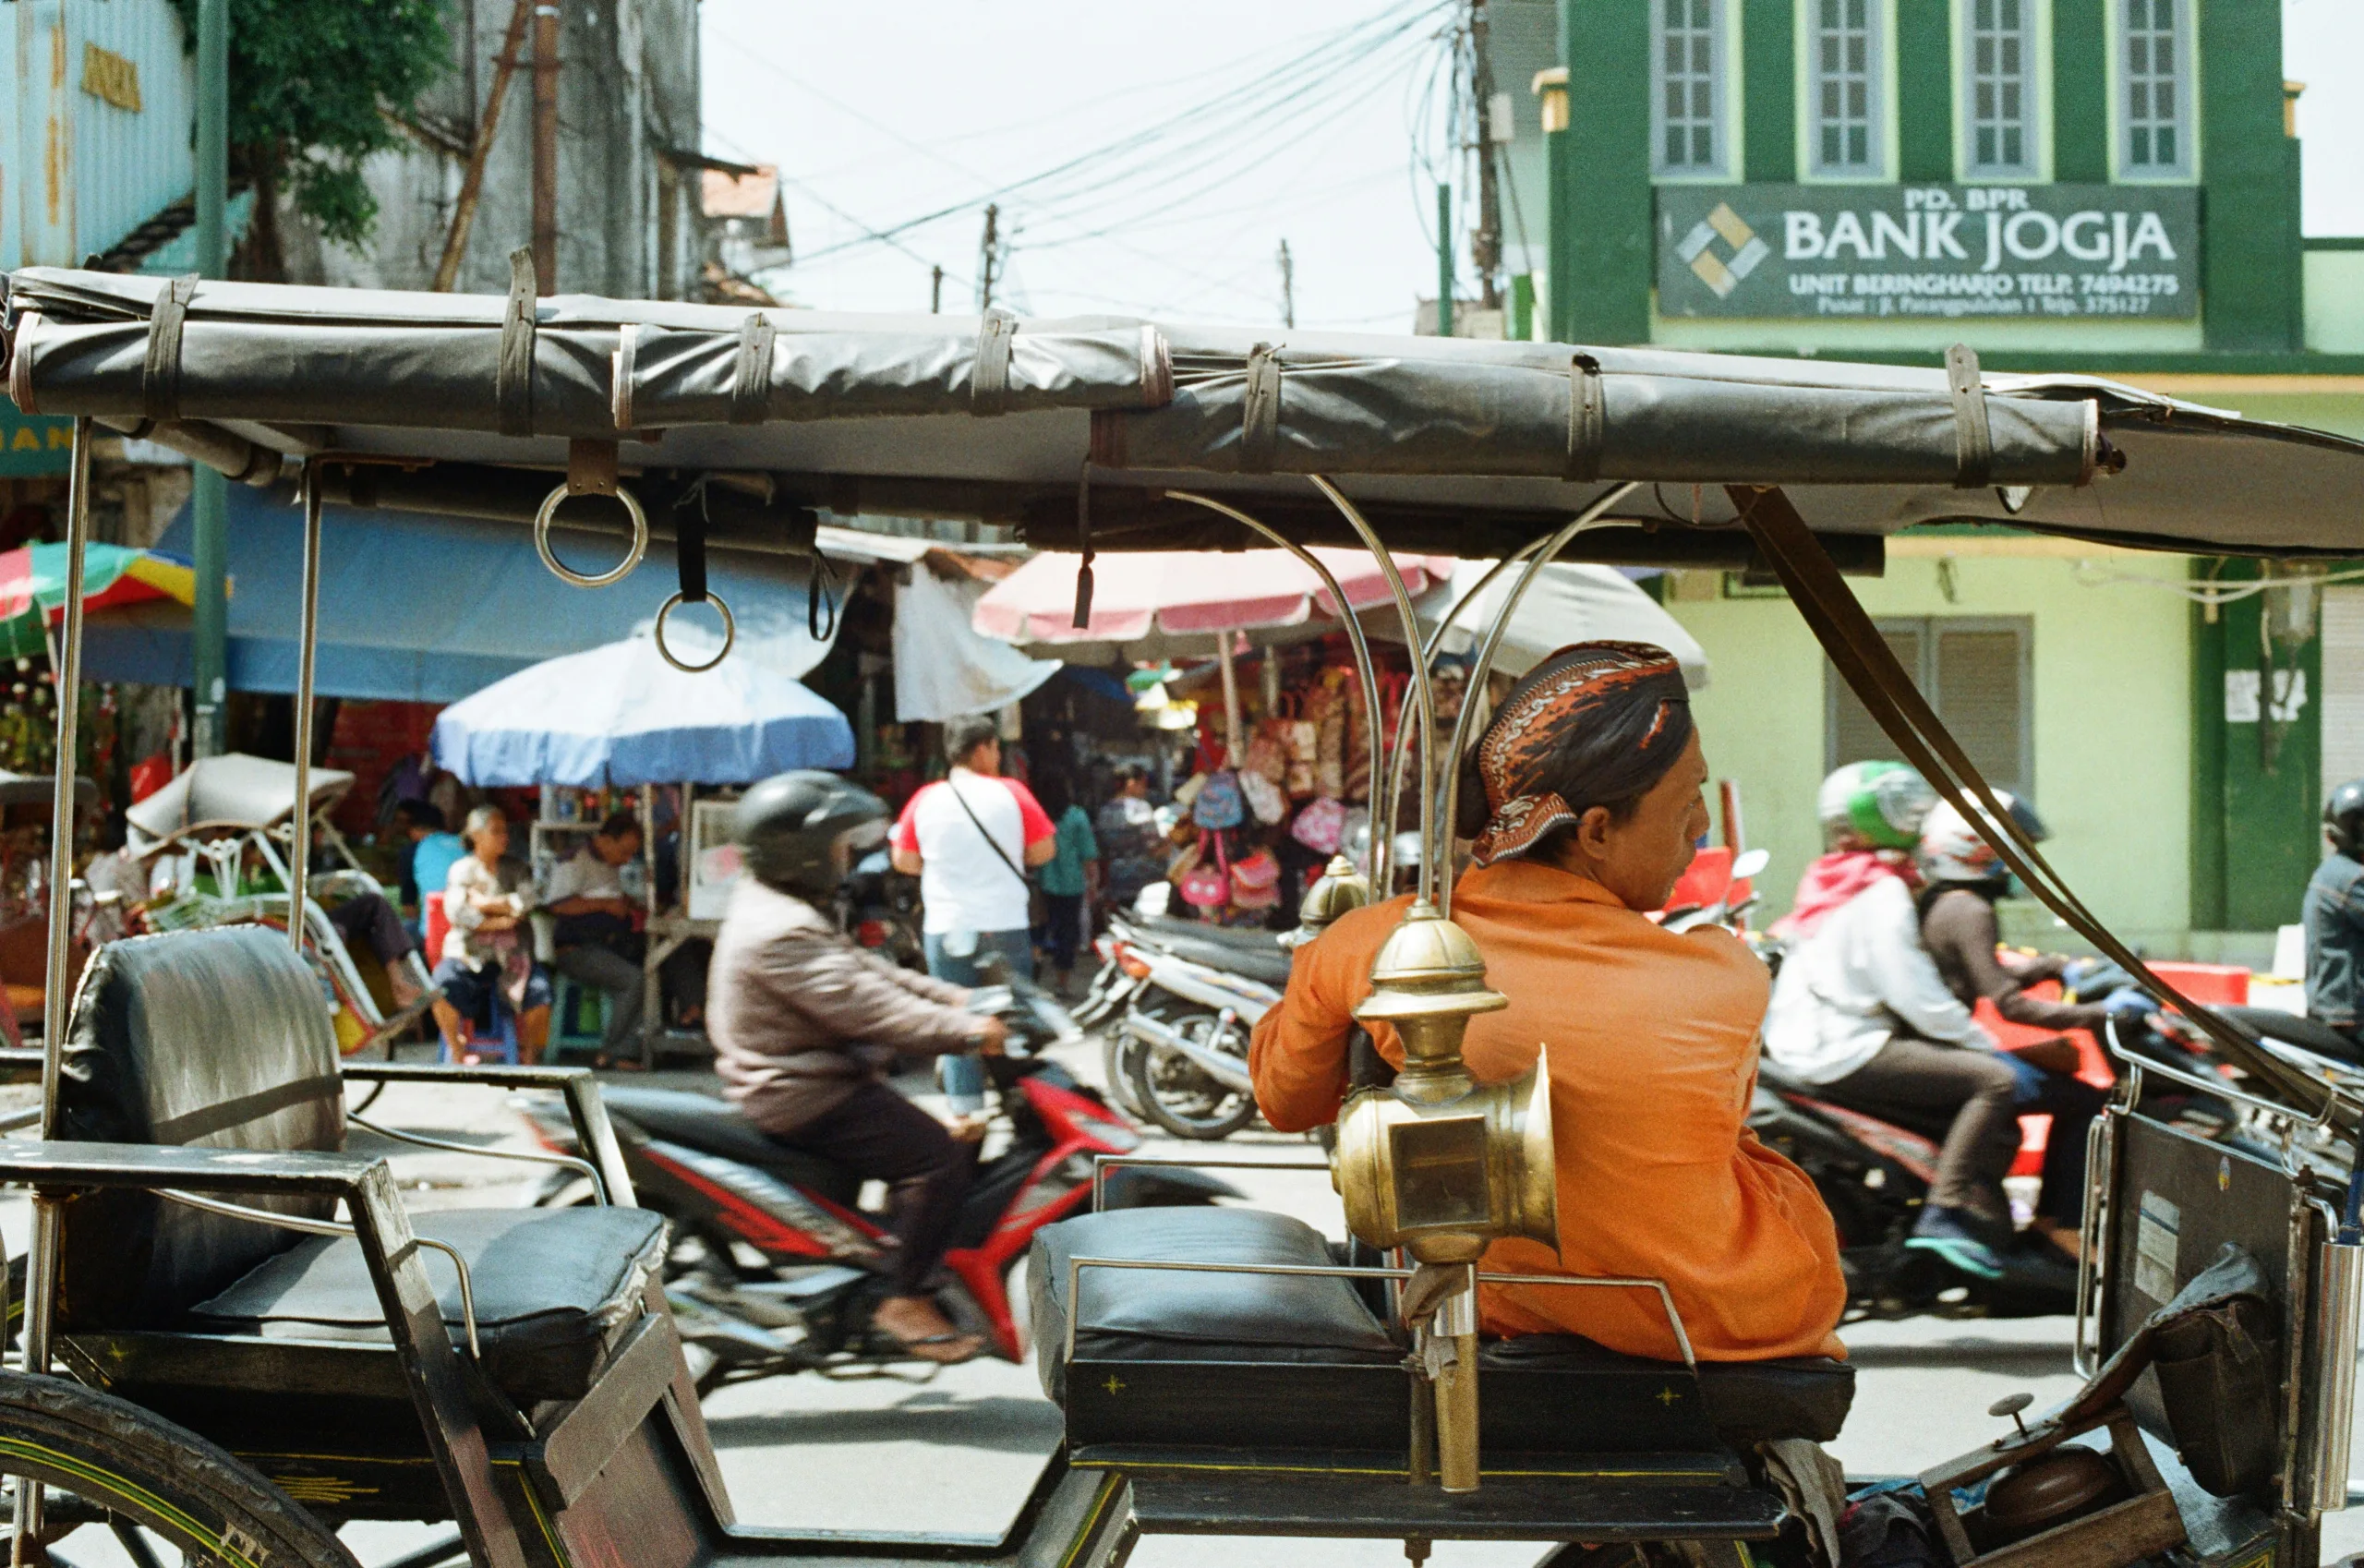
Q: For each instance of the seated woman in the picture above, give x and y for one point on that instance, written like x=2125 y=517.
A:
x=1585 y=800
x=485 y=957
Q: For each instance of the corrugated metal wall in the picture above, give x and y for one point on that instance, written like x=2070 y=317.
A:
x=79 y=167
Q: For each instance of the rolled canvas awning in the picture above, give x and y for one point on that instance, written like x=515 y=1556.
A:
x=1083 y=431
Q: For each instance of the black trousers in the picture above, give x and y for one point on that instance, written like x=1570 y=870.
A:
x=880 y=1135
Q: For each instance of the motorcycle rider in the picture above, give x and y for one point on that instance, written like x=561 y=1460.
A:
x=805 y=1024
x=1961 y=877
x=2333 y=913
x=1871 y=814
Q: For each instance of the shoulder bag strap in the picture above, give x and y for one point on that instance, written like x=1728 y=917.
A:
x=991 y=842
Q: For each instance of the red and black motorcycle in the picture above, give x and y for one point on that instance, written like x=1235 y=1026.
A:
x=774 y=1264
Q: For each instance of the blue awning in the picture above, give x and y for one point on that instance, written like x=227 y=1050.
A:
x=420 y=609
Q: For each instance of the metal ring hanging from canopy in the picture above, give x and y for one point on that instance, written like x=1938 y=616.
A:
x=565 y=573
x=730 y=634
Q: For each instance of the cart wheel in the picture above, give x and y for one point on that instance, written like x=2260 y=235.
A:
x=112 y=1454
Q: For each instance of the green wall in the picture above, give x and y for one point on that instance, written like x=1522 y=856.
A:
x=1769 y=91
x=2112 y=722
x=1605 y=207
x=2250 y=234
x=1924 y=90
x=2080 y=92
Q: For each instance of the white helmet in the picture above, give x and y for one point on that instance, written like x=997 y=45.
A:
x=1953 y=850
x=1882 y=803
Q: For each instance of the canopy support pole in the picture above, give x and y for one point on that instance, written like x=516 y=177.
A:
x=299 y=856
x=1230 y=700
x=40 y=1269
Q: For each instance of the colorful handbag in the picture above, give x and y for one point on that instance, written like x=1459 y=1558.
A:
x=1321 y=826
x=1264 y=797
x=1256 y=881
x=1205 y=887
x=1220 y=804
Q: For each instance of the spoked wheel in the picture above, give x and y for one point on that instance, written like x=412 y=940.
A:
x=201 y=1499
x=1179 y=1095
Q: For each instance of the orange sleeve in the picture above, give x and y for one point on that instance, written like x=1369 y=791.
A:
x=1297 y=1053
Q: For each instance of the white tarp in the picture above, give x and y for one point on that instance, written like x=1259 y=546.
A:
x=1568 y=602
x=943 y=668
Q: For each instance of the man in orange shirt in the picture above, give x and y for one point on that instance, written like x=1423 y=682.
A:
x=1584 y=799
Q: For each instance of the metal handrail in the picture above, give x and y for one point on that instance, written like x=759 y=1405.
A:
x=310 y=1226
x=1076 y=1265
x=537 y=1156
x=2218 y=1087
x=1101 y=1163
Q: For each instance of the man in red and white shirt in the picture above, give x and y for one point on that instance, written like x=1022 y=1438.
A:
x=968 y=837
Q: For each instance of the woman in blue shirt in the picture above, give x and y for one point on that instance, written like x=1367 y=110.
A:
x=1070 y=878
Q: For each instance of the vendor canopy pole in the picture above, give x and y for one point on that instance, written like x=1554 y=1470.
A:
x=308 y=640
x=1439 y=848
x=66 y=686
x=1424 y=699
x=1364 y=670
x=1859 y=653
x=1230 y=698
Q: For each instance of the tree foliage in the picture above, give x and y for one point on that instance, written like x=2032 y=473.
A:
x=312 y=83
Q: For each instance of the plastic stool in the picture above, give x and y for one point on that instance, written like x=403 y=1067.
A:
x=568 y=1028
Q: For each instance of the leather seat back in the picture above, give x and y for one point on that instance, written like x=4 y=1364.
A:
x=217 y=1039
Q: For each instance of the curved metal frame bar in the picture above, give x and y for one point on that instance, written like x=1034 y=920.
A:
x=1441 y=854
x=1076 y=1265
x=1427 y=655
x=1424 y=699
x=548 y=511
x=2222 y=1089
x=1364 y=670
x=730 y=634
x=536 y=1156
x=310 y=1226
x=299 y=844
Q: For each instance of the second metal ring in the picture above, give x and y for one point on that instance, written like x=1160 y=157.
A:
x=729 y=635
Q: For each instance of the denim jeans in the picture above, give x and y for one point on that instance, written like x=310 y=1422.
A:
x=963 y=1077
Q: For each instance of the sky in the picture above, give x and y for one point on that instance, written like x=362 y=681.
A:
x=1303 y=116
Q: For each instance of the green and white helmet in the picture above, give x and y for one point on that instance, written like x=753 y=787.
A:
x=1880 y=804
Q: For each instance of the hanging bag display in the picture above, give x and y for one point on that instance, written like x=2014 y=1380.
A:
x=1321 y=826
x=1264 y=797
x=1220 y=804
x=1256 y=881
x=1205 y=887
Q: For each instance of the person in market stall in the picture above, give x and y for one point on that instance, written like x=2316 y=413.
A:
x=1132 y=850
x=428 y=850
x=595 y=943
x=1070 y=879
x=485 y=959
x=1583 y=801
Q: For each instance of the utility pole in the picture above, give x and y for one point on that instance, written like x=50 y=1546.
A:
x=1444 y=259
x=935 y=291
x=546 y=147
x=210 y=498
x=1289 y=287
x=1486 y=244
x=987 y=273
x=463 y=212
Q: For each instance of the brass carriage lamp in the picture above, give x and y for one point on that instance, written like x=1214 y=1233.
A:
x=1441 y=1165
x=1340 y=888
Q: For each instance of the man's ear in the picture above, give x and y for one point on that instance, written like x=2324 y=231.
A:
x=1592 y=829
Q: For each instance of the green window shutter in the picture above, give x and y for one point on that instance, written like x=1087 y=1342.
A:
x=1924 y=90
x=2080 y=92
x=1769 y=78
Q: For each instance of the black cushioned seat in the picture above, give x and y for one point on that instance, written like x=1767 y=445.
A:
x=1145 y=1314
x=1797 y=1396
x=555 y=1291
x=717 y=1127
x=1249 y=952
x=2303 y=1032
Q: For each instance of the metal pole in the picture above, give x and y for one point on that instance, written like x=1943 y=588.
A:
x=1486 y=244
x=299 y=848
x=1444 y=259
x=463 y=212
x=40 y=1267
x=1288 y=291
x=991 y=247
x=546 y=147
x=935 y=291
x=208 y=494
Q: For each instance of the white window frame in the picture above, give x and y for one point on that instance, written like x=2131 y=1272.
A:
x=2186 y=169
x=1880 y=72
x=1723 y=28
x=2035 y=106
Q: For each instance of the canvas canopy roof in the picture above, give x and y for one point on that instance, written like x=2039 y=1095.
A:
x=233 y=787
x=1449 y=446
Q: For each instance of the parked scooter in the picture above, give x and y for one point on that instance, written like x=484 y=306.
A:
x=1190 y=992
x=879 y=907
x=773 y=1266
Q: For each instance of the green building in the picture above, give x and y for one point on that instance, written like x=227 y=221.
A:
x=2108 y=187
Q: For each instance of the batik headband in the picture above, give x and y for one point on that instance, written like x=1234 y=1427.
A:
x=1594 y=723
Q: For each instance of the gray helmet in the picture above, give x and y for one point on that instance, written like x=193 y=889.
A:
x=2343 y=817
x=786 y=825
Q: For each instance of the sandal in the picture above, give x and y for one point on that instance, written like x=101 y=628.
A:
x=936 y=1347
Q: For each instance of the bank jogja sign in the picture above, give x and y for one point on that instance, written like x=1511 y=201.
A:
x=1852 y=252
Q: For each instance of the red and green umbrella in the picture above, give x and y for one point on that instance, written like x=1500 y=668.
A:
x=112 y=575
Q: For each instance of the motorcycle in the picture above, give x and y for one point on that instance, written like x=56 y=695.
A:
x=879 y=907
x=773 y=1265
x=1192 y=994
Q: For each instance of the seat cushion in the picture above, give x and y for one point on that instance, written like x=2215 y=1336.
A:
x=555 y=1289
x=1796 y=1396
x=1145 y=1314
x=717 y=1126
x=218 y=1039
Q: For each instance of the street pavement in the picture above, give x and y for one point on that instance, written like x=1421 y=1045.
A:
x=955 y=1452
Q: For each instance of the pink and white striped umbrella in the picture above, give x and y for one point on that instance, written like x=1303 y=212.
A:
x=1137 y=594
